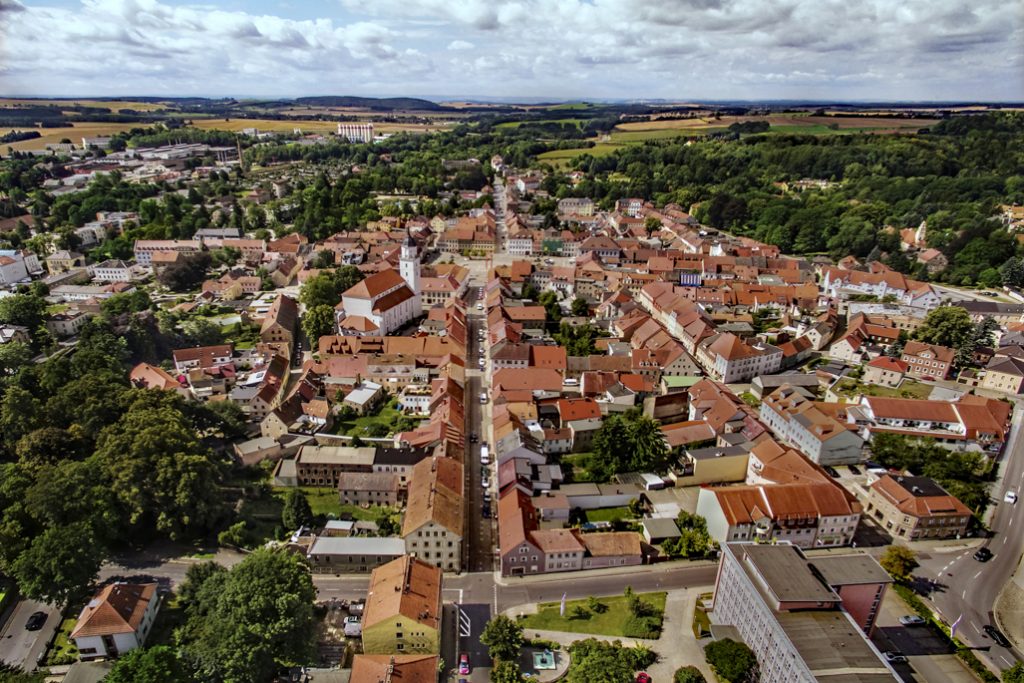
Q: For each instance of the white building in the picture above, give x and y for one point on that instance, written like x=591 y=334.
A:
x=798 y=420
x=117 y=620
x=12 y=269
x=144 y=249
x=385 y=301
x=356 y=132
x=112 y=271
x=728 y=359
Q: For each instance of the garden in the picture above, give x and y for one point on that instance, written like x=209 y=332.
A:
x=630 y=615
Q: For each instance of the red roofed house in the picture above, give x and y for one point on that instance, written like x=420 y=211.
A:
x=146 y=376
x=118 y=619
x=916 y=508
x=582 y=416
x=885 y=371
x=927 y=360
x=377 y=306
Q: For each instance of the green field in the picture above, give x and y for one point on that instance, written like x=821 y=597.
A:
x=611 y=622
x=608 y=514
x=908 y=389
x=388 y=415
x=516 y=124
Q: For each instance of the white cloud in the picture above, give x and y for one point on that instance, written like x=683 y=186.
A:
x=676 y=49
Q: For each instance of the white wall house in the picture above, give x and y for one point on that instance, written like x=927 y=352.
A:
x=117 y=620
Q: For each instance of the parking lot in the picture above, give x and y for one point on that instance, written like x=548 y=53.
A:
x=18 y=645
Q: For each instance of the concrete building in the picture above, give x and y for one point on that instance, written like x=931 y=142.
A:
x=435 y=514
x=927 y=360
x=799 y=624
x=355 y=132
x=916 y=508
x=352 y=554
x=811 y=427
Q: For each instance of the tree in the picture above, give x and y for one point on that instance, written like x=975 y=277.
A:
x=688 y=674
x=246 y=623
x=649 y=451
x=1013 y=272
x=597 y=660
x=580 y=307
x=320 y=290
x=25 y=310
x=899 y=561
x=1015 y=674
x=730 y=660
x=317 y=322
x=948 y=326
x=506 y=671
x=503 y=638
x=13 y=357
x=59 y=564
x=195 y=576
x=186 y=273
x=157 y=664
x=14 y=674
x=296 y=512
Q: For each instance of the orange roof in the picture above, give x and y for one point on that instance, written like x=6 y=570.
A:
x=919 y=497
x=611 y=544
x=153 y=377
x=375 y=285
x=435 y=495
x=393 y=668
x=887 y=363
x=548 y=357
x=572 y=409
x=118 y=608
x=939 y=353
x=556 y=541
x=405 y=587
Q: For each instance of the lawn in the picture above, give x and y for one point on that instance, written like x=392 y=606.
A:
x=611 y=622
x=574 y=468
x=908 y=389
x=388 y=415
x=608 y=514
x=64 y=650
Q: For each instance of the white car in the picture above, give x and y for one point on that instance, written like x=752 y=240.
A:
x=479 y=307
x=1010 y=497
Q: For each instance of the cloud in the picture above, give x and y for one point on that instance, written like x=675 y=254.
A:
x=673 y=49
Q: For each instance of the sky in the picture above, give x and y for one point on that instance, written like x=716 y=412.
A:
x=678 y=50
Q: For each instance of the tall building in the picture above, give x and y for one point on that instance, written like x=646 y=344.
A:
x=409 y=267
x=356 y=132
x=805 y=618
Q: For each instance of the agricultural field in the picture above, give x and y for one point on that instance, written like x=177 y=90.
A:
x=74 y=133
x=286 y=125
x=113 y=106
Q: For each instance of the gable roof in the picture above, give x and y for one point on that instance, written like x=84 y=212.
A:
x=405 y=587
x=919 y=496
x=375 y=285
x=118 y=608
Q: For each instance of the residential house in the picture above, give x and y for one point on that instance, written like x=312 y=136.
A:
x=885 y=371
x=811 y=426
x=394 y=668
x=927 y=360
x=369 y=488
x=280 y=324
x=116 y=620
x=1004 y=373
x=916 y=508
x=403 y=609
x=330 y=554
x=435 y=513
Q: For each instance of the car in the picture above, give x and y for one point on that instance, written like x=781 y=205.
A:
x=549 y=261
x=353 y=627
x=473 y=438
x=479 y=307
x=485 y=473
x=481 y=362
x=912 y=620
x=854 y=469
x=894 y=657
x=1010 y=497
x=643 y=677
x=832 y=472
x=485 y=511
x=983 y=554
x=36 y=621
x=463 y=664
x=996 y=635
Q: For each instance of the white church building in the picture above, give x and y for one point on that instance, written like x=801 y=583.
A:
x=385 y=301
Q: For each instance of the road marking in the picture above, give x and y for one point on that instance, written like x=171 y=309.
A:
x=978 y=574
x=964 y=594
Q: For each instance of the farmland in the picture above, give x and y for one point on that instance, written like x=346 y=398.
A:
x=288 y=125
x=74 y=133
x=105 y=104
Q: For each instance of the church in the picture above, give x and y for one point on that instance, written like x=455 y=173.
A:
x=385 y=301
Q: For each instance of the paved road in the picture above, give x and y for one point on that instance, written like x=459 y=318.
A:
x=21 y=647
x=970 y=588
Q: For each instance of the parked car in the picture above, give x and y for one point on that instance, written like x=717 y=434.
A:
x=854 y=469
x=894 y=657
x=463 y=664
x=996 y=635
x=36 y=621
x=643 y=677
x=832 y=472
x=353 y=627
x=912 y=620
x=486 y=511
x=1010 y=497
x=983 y=554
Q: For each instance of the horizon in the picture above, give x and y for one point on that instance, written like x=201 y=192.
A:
x=528 y=51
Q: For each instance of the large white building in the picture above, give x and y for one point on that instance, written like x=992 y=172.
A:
x=385 y=301
x=356 y=132
x=810 y=426
x=12 y=269
x=804 y=618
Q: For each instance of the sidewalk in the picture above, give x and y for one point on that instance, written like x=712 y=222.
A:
x=583 y=574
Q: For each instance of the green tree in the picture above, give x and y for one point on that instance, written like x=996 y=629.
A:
x=59 y=564
x=649 y=450
x=245 y=624
x=22 y=309
x=158 y=664
x=14 y=674
x=948 y=326
x=320 y=290
x=503 y=638
x=506 y=671
x=13 y=357
x=688 y=674
x=899 y=561
x=604 y=662
x=19 y=414
x=580 y=307
x=235 y=535
x=296 y=511
x=195 y=576
x=1015 y=674
x=317 y=322
x=731 y=661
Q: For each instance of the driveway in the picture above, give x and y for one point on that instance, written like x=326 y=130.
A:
x=21 y=647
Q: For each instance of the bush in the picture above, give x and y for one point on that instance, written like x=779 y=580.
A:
x=688 y=674
x=642 y=627
x=731 y=660
x=596 y=606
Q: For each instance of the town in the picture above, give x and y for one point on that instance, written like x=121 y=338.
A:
x=344 y=407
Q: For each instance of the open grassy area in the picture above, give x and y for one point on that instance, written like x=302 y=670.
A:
x=575 y=468
x=74 y=133
x=387 y=415
x=287 y=126
x=6 y=102
x=608 y=514
x=908 y=389
x=610 y=622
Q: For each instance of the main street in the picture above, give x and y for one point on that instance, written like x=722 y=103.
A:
x=969 y=588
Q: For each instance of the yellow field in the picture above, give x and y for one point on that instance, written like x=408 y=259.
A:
x=113 y=106
x=273 y=125
x=75 y=134
x=842 y=122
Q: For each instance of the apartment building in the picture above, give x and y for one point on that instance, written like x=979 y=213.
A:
x=811 y=426
x=927 y=360
x=916 y=508
x=403 y=609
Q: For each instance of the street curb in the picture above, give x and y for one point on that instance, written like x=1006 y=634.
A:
x=552 y=577
x=1014 y=638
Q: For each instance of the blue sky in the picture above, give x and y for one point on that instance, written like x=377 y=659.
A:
x=555 y=49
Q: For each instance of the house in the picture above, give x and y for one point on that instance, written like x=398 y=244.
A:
x=279 y=325
x=112 y=270
x=369 y=488
x=971 y=420
x=394 y=668
x=116 y=620
x=403 y=609
x=711 y=465
x=434 y=519
x=811 y=426
x=885 y=371
x=146 y=376
x=67 y=324
x=927 y=360
x=805 y=619
x=610 y=549
x=809 y=515
x=330 y=554
x=729 y=359
x=364 y=397
x=14 y=333
x=1004 y=373
x=12 y=269
x=63 y=261
x=145 y=250
x=916 y=508
x=201 y=357
x=934 y=260
x=582 y=416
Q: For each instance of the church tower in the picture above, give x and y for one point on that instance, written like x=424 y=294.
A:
x=409 y=268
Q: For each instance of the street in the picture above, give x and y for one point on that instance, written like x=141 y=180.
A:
x=18 y=645
x=964 y=586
